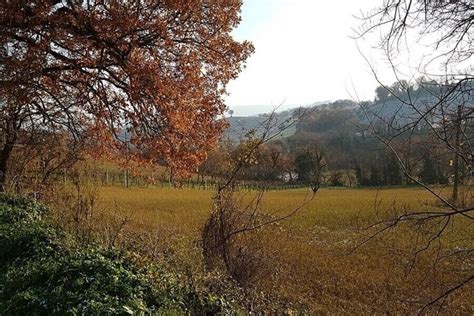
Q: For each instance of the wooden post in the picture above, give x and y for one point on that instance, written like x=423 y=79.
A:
x=125 y=178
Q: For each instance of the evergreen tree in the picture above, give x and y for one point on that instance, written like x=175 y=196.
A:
x=375 y=178
x=428 y=174
x=309 y=165
x=360 y=176
x=442 y=177
x=393 y=174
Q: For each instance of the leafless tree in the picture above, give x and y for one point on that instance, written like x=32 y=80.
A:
x=436 y=111
x=229 y=236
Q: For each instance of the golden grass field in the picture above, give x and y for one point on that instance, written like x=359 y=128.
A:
x=309 y=258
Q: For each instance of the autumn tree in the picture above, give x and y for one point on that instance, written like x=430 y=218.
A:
x=269 y=164
x=94 y=69
x=217 y=163
x=41 y=157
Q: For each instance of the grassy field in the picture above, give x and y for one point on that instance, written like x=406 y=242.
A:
x=309 y=259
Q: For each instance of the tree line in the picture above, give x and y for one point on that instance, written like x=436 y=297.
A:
x=333 y=146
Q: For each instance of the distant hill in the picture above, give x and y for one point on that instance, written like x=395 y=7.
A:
x=258 y=109
x=240 y=125
x=325 y=119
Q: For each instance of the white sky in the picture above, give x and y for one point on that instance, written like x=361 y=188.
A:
x=303 y=54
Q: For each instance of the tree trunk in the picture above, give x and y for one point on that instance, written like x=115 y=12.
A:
x=4 y=157
x=455 y=194
x=10 y=130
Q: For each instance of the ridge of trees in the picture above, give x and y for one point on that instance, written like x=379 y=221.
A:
x=337 y=133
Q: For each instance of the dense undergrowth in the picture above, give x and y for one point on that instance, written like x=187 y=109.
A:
x=44 y=271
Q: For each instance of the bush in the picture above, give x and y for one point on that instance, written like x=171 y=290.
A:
x=241 y=255
x=42 y=273
x=20 y=210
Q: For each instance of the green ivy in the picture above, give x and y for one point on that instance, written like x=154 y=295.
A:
x=42 y=274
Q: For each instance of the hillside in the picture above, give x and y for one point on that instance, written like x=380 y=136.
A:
x=241 y=124
x=400 y=108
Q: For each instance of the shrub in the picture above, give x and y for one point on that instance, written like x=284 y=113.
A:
x=27 y=242
x=41 y=273
x=229 y=242
x=19 y=210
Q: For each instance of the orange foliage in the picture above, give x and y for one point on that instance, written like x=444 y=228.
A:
x=155 y=69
